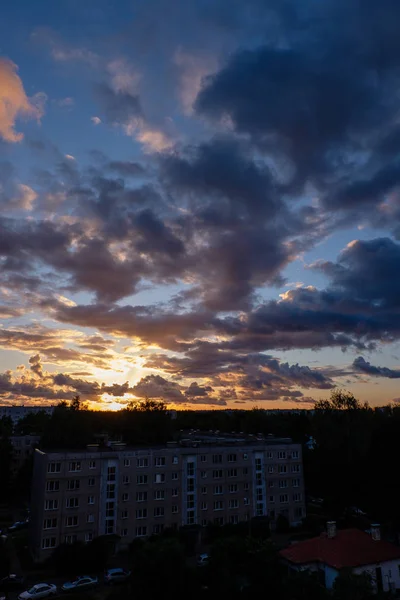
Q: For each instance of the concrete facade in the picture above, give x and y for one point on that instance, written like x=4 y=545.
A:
x=135 y=492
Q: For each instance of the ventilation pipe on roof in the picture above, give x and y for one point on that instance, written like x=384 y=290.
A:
x=331 y=529
x=376 y=532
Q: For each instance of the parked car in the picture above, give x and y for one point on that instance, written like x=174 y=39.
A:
x=203 y=560
x=11 y=582
x=40 y=590
x=116 y=575
x=83 y=582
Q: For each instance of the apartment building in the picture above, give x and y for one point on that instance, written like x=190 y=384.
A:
x=18 y=412
x=136 y=492
x=23 y=447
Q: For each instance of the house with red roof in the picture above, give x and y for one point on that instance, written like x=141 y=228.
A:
x=359 y=551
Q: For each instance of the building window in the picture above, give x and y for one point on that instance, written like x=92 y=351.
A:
x=271 y=499
x=218 y=505
x=48 y=543
x=246 y=487
x=174 y=476
x=51 y=505
x=90 y=518
x=246 y=501
x=218 y=489
x=297 y=497
x=125 y=497
x=190 y=503
x=175 y=460
x=296 y=482
x=159 y=495
x=70 y=539
x=234 y=519
x=109 y=528
x=126 y=479
x=74 y=466
x=259 y=494
x=219 y=521
x=283 y=498
x=92 y=481
x=217 y=474
x=245 y=470
x=245 y=456
x=54 y=467
x=204 y=506
x=158 y=528
x=295 y=454
x=141 y=513
x=110 y=491
x=204 y=522
x=204 y=490
x=217 y=459
x=71 y=521
x=233 y=488
x=141 y=479
x=270 y=455
x=159 y=461
x=190 y=469
x=50 y=523
x=72 y=502
x=232 y=458
x=203 y=458
x=190 y=485
x=90 y=499
x=234 y=503
x=271 y=484
x=141 y=496
x=298 y=511
x=127 y=462
x=124 y=532
x=283 y=483
x=110 y=506
x=282 y=468
x=203 y=474
x=190 y=520
x=295 y=468
x=111 y=473
x=232 y=472
x=142 y=462
x=52 y=486
x=124 y=514
x=92 y=464
x=281 y=454
x=88 y=537
x=73 y=484
x=174 y=491
x=174 y=509
x=159 y=478
x=271 y=469
x=158 y=512
x=141 y=531
x=258 y=478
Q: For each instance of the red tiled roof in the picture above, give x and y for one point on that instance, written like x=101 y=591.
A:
x=349 y=548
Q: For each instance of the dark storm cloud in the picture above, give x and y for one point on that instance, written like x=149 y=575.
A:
x=362 y=366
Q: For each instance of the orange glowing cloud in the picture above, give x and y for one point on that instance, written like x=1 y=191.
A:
x=14 y=102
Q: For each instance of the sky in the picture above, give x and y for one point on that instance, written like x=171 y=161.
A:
x=199 y=202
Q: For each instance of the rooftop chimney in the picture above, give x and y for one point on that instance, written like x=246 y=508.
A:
x=331 y=529
x=376 y=532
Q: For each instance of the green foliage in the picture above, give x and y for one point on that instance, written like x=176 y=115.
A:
x=348 y=586
x=305 y=586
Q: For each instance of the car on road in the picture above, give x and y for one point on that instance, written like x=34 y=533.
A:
x=11 y=582
x=83 y=582
x=116 y=575
x=40 y=590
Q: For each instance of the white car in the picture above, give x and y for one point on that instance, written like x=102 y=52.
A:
x=40 y=590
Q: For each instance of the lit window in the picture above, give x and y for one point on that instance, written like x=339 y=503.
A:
x=74 y=466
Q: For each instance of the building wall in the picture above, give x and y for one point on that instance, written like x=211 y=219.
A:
x=23 y=447
x=390 y=574
x=137 y=492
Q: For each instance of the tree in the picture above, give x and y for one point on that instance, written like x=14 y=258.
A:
x=349 y=586
x=340 y=400
x=146 y=422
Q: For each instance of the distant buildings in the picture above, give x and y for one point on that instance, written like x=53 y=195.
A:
x=16 y=413
x=23 y=447
x=135 y=492
x=352 y=549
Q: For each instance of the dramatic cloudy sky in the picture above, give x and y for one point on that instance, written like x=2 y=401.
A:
x=199 y=201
